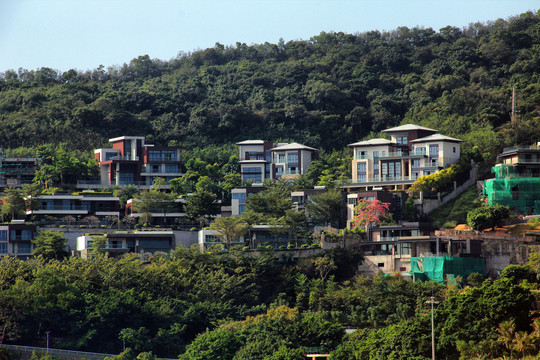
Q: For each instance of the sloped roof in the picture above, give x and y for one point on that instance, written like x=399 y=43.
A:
x=409 y=127
x=435 y=137
x=372 y=142
x=293 y=146
x=251 y=142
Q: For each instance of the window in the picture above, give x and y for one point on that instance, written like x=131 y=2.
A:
x=126 y=179
x=3 y=248
x=281 y=158
x=3 y=235
x=212 y=238
x=415 y=163
x=361 y=172
x=155 y=168
x=169 y=155
x=454 y=149
x=239 y=196
x=380 y=264
x=171 y=168
x=402 y=140
x=24 y=248
x=292 y=158
x=433 y=149
x=352 y=201
x=110 y=155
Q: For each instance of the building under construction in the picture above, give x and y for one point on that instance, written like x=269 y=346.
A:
x=517 y=179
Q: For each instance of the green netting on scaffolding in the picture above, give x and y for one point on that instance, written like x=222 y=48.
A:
x=522 y=194
x=441 y=268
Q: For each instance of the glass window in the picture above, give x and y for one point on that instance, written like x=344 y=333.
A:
x=171 y=168
x=126 y=179
x=416 y=163
x=3 y=235
x=352 y=201
x=281 y=158
x=3 y=248
x=433 y=149
x=24 y=248
x=292 y=158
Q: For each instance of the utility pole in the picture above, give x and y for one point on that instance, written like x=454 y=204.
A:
x=47 y=332
x=432 y=301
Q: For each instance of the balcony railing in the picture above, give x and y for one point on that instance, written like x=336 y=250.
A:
x=129 y=158
x=520 y=147
x=382 y=179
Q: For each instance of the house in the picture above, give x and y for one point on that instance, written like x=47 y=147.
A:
x=411 y=152
x=131 y=161
x=173 y=213
x=261 y=235
x=255 y=160
x=122 y=242
x=261 y=160
x=376 y=194
x=517 y=179
x=16 y=239
x=78 y=205
x=15 y=172
x=415 y=251
x=289 y=161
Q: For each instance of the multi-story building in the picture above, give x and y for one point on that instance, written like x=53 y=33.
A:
x=255 y=160
x=416 y=252
x=122 y=242
x=261 y=160
x=77 y=205
x=412 y=151
x=517 y=179
x=132 y=162
x=16 y=239
x=17 y=171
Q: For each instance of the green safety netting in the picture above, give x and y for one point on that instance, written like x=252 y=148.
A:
x=522 y=194
x=441 y=268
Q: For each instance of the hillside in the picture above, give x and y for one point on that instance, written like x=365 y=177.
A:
x=328 y=91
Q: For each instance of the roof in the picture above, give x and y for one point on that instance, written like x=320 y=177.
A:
x=126 y=138
x=293 y=146
x=409 y=127
x=372 y=142
x=251 y=142
x=435 y=137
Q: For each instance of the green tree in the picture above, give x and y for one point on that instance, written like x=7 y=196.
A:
x=201 y=204
x=13 y=204
x=294 y=222
x=229 y=228
x=487 y=216
x=51 y=245
x=326 y=207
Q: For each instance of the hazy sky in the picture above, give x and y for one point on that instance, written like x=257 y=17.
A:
x=82 y=34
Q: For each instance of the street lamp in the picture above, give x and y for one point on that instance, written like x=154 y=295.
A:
x=432 y=301
x=47 y=332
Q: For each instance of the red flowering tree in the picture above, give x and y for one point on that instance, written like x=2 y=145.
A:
x=368 y=211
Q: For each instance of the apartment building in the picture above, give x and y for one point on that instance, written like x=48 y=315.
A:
x=261 y=160
x=15 y=172
x=411 y=152
x=16 y=239
x=131 y=161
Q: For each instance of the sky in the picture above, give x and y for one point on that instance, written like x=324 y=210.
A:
x=83 y=34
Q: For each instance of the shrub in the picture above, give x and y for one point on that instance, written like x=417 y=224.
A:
x=245 y=248
x=290 y=246
x=282 y=247
x=63 y=226
x=193 y=229
x=304 y=246
x=449 y=224
x=314 y=246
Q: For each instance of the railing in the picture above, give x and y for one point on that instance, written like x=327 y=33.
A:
x=361 y=157
x=129 y=158
x=520 y=147
x=388 y=179
x=61 y=207
x=59 y=352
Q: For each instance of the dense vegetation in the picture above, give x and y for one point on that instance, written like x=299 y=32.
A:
x=328 y=91
x=232 y=306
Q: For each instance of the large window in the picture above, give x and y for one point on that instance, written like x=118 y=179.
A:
x=171 y=168
x=292 y=158
x=126 y=179
x=162 y=155
x=3 y=248
x=3 y=235
x=361 y=172
x=24 y=248
x=434 y=150
x=403 y=140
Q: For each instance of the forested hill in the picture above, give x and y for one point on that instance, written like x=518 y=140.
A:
x=326 y=92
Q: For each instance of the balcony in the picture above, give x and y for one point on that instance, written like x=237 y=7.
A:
x=361 y=157
x=123 y=158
